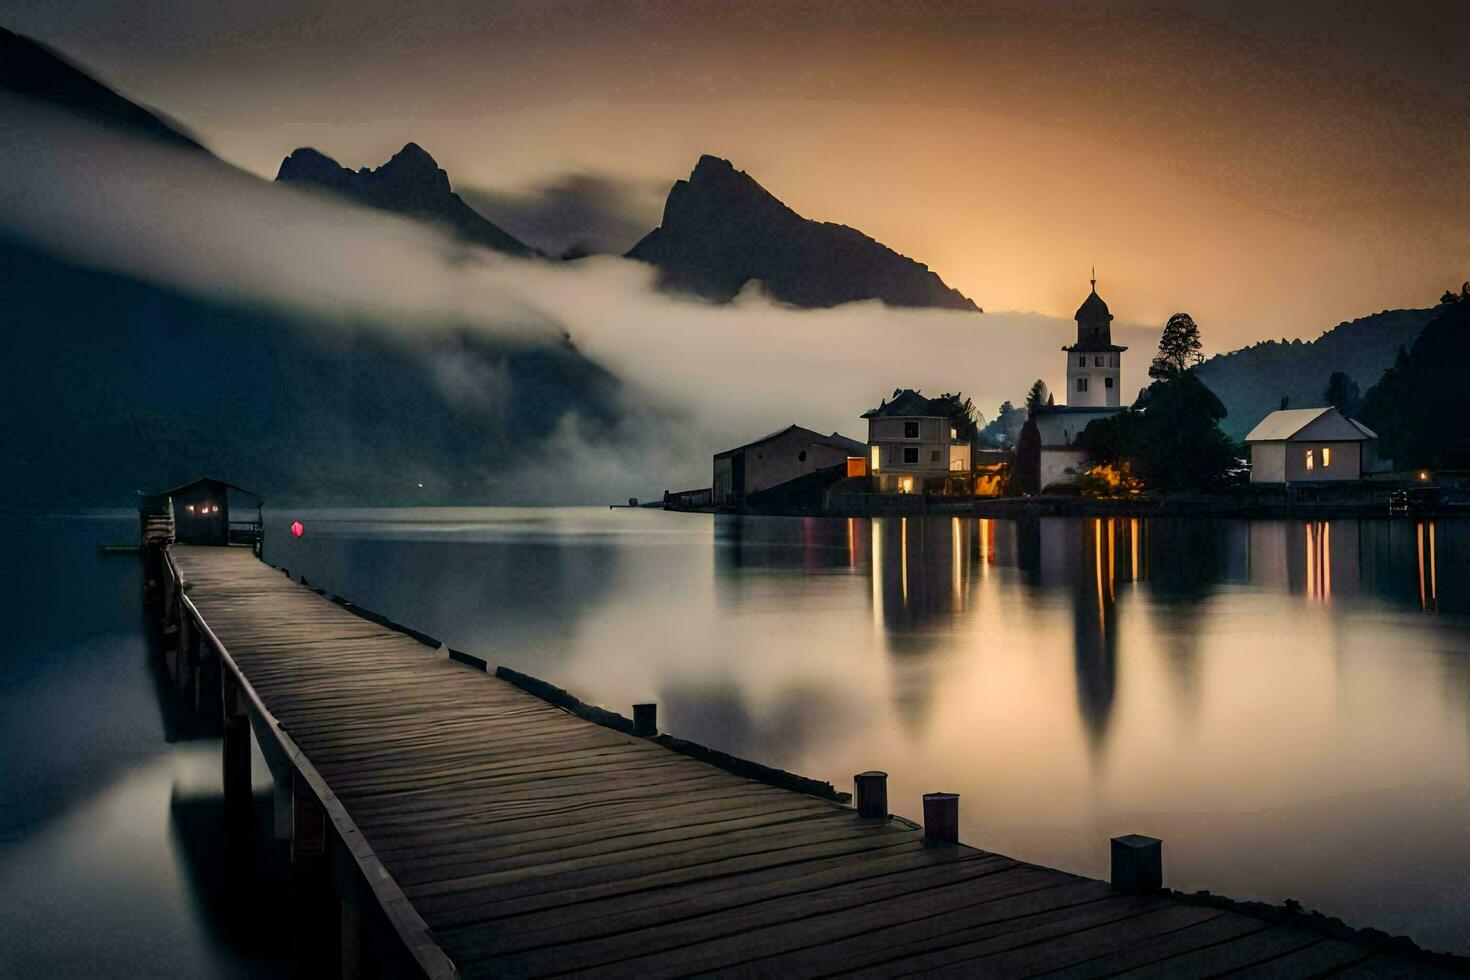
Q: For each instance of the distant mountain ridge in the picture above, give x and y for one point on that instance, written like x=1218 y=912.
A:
x=1253 y=380
x=721 y=229
x=120 y=383
x=410 y=183
x=31 y=69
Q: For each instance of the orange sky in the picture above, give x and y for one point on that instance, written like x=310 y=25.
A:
x=1270 y=171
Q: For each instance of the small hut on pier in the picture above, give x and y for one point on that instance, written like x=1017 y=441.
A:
x=200 y=511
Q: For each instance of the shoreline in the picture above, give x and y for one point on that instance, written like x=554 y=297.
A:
x=1198 y=506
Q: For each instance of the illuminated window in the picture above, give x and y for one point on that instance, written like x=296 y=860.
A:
x=874 y=453
x=1311 y=461
x=953 y=433
x=906 y=485
x=1326 y=457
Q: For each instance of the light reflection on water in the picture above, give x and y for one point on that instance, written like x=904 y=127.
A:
x=1287 y=704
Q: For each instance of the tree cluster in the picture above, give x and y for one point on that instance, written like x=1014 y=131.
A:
x=1170 y=438
x=1418 y=406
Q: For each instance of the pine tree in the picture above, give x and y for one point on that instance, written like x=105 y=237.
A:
x=1036 y=397
x=1179 y=348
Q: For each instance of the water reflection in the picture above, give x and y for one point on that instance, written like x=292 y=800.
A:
x=110 y=855
x=1267 y=696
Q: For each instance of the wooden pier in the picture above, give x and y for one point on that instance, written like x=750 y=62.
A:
x=473 y=829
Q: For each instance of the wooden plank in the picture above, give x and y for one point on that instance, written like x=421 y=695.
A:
x=1314 y=960
x=1211 y=932
x=518 y=838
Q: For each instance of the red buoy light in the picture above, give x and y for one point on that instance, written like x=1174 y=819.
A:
x=297 y=529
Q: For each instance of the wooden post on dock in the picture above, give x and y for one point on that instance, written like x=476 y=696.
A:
x=308 y=822
x=645 y=720
x=871 y=791
x=1138 y=864
x=235 y=731
x=942 y=818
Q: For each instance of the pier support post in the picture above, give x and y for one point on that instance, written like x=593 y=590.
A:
x=187 y=656
x=1138 y=864
x=871 y=790
x=942 y=818
x=235 y=732
x=645 y=720
x=308 y=822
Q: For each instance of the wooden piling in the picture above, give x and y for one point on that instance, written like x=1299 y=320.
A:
x=235 y=732
x=1138 y=864
x=942 y=818
x=645 y=720
x=308 y=822
x=871 y=792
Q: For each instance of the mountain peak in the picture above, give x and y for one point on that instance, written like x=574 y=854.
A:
x=411 y=168
x=308 y=164
x=721 y=229
x=410 y=183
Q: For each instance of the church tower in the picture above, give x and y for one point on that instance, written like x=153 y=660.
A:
x=1094 y=363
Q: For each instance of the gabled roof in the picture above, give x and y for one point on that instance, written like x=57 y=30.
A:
x=909 y=403
x=1326 y=424
x=836 y=439
x=194 y=483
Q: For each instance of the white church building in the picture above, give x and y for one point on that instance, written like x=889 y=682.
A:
x=1094 y=388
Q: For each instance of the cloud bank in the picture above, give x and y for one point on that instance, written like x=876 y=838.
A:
x=701 y=377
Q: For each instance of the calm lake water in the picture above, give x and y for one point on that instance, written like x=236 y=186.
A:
x=1287 y=704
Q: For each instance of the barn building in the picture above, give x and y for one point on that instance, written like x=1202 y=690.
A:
x=778 y=458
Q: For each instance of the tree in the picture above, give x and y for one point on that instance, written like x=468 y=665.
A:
x=1451 y=297
x=1170 y=439
x=963 y=415
x=1037 y=397
x=1418 y=407
x=1179 y=348
x=1005 y=428
x=1342 y=393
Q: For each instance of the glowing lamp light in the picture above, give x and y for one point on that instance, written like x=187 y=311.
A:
x=297 y=529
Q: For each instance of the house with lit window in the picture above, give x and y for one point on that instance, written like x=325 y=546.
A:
x=920 y=445
x=1311 y=445
x=200 y=511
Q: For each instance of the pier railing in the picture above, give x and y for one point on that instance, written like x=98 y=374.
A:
x=311 y=796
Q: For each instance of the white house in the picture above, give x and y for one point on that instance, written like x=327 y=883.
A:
x=1311 y=445
x=918 y=445
x=1094 y=378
